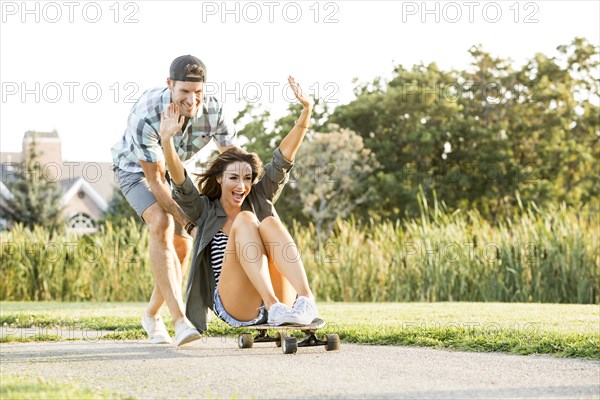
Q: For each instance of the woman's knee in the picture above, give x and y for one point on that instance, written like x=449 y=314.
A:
x=245 y=219
x=270 y=223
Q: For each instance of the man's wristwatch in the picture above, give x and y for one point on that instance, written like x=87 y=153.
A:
x=189 y=227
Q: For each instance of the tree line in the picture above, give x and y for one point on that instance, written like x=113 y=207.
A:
x=493 y=137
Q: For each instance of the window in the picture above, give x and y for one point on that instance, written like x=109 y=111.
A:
x=82 y=223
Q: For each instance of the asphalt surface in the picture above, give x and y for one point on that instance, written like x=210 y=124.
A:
x=216 y=368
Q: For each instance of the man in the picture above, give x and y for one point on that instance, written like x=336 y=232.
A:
x=140 y=169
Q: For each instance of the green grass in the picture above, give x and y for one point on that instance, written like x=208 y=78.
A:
x=563 y=330
x=27 y=388
x=557 y=329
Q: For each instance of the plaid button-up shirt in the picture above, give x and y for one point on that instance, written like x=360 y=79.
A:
x=141 y=140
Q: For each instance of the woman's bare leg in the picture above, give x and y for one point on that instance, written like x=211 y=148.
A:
x=245 y=282
x=285 y=255
x=283 y=288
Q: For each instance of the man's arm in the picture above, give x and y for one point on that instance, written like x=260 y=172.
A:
x=155 y=174
x=225 y=133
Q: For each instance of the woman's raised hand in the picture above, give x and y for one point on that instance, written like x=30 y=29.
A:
x=301 y=95
x=170 y=122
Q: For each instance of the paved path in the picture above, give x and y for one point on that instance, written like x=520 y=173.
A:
x=216 y=368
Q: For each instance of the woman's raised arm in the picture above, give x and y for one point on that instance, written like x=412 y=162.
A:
x=171 y=123
x=291 y=142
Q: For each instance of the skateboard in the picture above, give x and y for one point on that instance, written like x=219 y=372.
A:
x=289 y=344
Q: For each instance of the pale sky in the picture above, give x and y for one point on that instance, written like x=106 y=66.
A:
x=75 y=66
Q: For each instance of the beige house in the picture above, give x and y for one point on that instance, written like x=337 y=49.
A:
x=87 y=186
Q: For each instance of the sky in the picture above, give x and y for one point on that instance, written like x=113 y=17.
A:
x=78 y=66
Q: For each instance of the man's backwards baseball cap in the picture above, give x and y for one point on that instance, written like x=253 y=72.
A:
x=178 y=69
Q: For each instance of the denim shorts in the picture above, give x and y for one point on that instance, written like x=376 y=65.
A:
x=224 y=315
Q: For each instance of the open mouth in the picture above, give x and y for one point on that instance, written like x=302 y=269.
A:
x=187 y=108
x=238 y=196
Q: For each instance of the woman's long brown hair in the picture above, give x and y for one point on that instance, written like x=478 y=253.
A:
x=207 y=182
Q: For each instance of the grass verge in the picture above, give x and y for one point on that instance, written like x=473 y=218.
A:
x=27 y=388
x=563 y=330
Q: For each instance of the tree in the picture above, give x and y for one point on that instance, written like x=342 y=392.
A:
x=485 y=137
x=334 y=180
x=405 y=123
x=36 y=198
x=264 y=137
x=119 y=212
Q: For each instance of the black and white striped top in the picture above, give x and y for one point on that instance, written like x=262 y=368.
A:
x=217 y=247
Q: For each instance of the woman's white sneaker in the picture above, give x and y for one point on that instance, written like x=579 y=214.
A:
x=280 y=314
x=305 y=310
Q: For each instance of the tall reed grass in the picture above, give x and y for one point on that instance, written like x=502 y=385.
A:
x=550 y=256
x=110 y=265
x=537 y=256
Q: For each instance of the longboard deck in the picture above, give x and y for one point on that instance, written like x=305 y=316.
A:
x=317 y=323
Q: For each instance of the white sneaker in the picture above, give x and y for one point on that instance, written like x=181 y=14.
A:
x=305 y=310
x=185 y=333
x=280 y=314
x=156 y=329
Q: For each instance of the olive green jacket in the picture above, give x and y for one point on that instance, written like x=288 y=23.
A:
x=210 y=218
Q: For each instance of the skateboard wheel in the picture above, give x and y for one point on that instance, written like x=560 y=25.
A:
x=282 y=336
x=333 y=342
x=289 y=345
x=245 y=341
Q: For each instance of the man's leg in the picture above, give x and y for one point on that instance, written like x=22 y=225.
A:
x=164 y=263
x=156 y=302
x=164 y=257
x=183 y=246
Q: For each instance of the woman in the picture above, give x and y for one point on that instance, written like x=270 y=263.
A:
x=246 y=266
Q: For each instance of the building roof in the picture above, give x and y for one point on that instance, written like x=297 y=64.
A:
x=30 y=134
x=81 y=185
x=98 y=174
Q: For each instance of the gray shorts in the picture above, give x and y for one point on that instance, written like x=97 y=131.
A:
x=136 y=190
x=224 y=315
